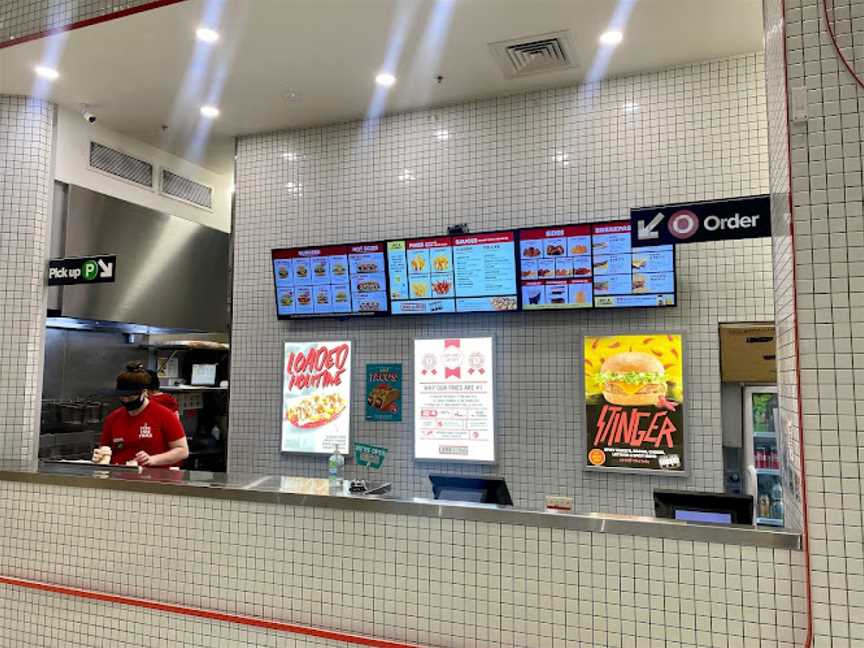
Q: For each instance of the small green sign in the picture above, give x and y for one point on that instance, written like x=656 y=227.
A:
x=369 y=455
x=90 y=269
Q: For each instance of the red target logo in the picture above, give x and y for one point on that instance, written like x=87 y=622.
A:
x=683 y=224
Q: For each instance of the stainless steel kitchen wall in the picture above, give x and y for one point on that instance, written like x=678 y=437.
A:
x=171 y=273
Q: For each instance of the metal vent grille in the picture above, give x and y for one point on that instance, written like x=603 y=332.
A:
x=121 y=165
x=187 y=190
x=534 y=54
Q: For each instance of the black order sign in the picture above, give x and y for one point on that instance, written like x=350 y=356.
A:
x=82 y=270
x=725 y=220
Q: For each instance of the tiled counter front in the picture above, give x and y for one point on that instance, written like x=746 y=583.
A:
x=434 y=582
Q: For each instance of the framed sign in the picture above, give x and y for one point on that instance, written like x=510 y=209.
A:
x=634 y=403
x=454 y=405
x=384 y=392
x=316 y=397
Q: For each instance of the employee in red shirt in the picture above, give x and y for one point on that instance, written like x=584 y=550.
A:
x=141 y=430
x=156 y=396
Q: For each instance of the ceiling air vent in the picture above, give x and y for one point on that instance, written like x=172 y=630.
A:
x=520 y=57
x=120 y=165
x=180 y=188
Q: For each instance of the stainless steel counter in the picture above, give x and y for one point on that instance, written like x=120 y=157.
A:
x=294 y=491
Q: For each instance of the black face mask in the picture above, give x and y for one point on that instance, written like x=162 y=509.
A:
x=131 y=406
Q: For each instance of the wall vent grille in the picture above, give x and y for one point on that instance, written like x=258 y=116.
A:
x=113 y=162
x=176 y=186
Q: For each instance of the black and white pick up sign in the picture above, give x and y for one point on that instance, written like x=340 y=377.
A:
x=724 y=220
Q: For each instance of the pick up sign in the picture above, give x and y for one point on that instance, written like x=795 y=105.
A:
x=725 y=220
x=82 y=270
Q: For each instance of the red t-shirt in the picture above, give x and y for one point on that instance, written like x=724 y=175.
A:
x=165 y=400
x=150 y=431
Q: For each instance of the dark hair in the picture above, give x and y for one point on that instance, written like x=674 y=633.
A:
x=135 y=378
x=154 y=380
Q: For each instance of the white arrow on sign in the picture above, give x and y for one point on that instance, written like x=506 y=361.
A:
x=647 y=232
x=107 y=269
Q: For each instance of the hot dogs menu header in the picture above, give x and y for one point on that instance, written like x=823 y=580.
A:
x=550 y=268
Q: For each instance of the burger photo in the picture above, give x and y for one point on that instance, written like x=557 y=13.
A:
x=632 y=378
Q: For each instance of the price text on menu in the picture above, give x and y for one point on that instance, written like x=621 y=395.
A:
x=454 y=417
x=459 y=274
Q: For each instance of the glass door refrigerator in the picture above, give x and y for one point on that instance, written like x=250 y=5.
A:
x=762 y=453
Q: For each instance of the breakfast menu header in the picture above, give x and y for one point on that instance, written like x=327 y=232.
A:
x=458 y=274
x=331 y=280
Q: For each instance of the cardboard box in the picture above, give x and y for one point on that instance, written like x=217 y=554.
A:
x=748 y=353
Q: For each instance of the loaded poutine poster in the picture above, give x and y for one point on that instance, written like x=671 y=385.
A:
x=383 y=392
x=454 y=414
x=316 y=397
x=634 y=402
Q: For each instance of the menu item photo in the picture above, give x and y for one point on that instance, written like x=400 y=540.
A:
x=335 y=280
x=562 y=276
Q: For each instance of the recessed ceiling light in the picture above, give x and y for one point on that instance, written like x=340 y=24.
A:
x=207 y=35
x=385 y=79
x=210 y=112
x=47 y=73
x=611 y=37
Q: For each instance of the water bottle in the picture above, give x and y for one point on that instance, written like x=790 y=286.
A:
x=335 y=466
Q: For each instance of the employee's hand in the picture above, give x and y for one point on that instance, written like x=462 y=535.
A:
x=143 y=458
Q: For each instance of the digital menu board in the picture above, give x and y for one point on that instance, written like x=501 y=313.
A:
x=335 y=280
x=453 y=274
x=454 y=404
x=626 y=277
x=585 y=266
x=555 y=267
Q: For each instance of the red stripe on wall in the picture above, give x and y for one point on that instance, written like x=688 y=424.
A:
x=212 y=615
x=89 y=21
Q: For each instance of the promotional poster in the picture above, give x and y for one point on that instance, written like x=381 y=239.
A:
x=634 y=402
x=384 y=392
x=454 y=414
x=316 y=397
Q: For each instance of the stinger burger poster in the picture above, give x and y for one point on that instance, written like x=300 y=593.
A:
x=634 y=402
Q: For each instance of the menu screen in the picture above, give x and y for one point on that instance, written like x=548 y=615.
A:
x=585 y=266
x=556 y=267
x=458 y=274
x=331 y=281
x=626 y=277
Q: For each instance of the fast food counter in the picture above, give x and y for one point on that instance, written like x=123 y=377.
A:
x=301 y=491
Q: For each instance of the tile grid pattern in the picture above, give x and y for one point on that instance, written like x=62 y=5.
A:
x=26 y=141
x=784 y=298
x=435 y=582
x=827 y=186
x=21 y=18
x=556 y=156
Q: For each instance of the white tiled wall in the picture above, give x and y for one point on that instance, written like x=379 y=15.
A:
x=19 y=18
x=827 y=183
x=435 y=582
x=568 y=155
x=26 y=140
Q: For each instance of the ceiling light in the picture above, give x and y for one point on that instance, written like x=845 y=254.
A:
x=210 y=112
x=611 y=37
x=48 y=73
x=207 y=35
x=385 y=79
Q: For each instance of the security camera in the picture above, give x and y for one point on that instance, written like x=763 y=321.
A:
x=88 y=116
